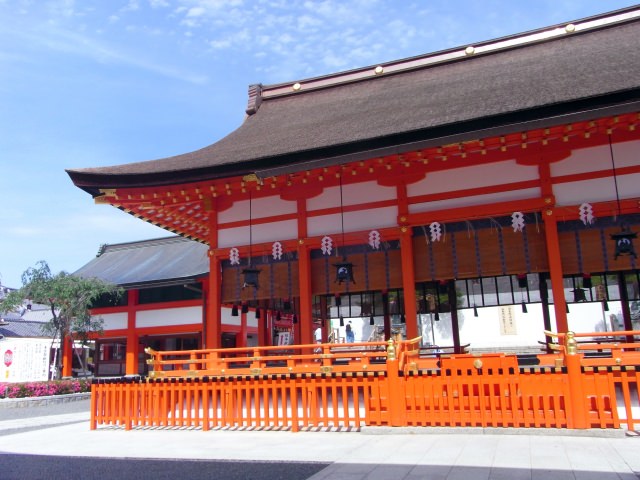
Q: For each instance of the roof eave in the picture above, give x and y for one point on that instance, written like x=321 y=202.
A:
x=484 y=127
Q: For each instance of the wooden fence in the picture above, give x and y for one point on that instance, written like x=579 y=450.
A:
x=586 y=384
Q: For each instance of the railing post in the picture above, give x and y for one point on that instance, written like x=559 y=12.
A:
x=397 y=411
x=577 y=416
x=93 y=422
x=127 y=390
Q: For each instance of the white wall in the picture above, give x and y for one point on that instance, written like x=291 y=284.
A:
x=113 y=321
x=169 y=316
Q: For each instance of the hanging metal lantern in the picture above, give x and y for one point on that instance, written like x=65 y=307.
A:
x=624 y=242
x=250 y=277
x=579 y=295
x=344 y=272
x=586 y=280
x=522 y=280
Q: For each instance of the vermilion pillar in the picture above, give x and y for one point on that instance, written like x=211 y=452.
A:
x=555 y=269
x=213 y=330
x=67 y=358
x=306 y=300
x=213 y=335
x=305 y=320
x=241 y=338
x=131 y=359
x=408 y=282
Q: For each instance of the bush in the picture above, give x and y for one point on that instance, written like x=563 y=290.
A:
x=42 y=389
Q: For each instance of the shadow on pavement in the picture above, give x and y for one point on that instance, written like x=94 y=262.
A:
x=32 y=467
x=37 y=467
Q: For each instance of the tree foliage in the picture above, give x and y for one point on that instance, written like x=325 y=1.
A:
x=69 y=298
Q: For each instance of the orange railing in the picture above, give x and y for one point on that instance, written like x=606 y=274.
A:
x=312 y=358
x=352 y=385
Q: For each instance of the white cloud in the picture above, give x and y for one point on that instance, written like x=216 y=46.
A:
x=69 y=42
x=196 y=12
x=132 y=6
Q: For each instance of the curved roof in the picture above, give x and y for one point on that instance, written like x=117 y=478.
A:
x=538 y=76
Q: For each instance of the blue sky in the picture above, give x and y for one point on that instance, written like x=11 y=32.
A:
x=101 y=82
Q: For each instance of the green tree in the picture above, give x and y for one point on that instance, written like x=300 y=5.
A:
x=69 y=298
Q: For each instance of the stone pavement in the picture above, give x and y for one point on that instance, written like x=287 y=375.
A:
x=371 y=454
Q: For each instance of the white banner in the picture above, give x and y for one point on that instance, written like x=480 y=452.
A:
x=24 y=359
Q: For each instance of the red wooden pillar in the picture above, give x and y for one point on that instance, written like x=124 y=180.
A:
x=67 y=356
x=213 y=331
x=131 y=358
x=264 y=327
x=261 y=323
x=304 y=332
x=306 y=301
x=241 y=338
x=555 y=269
x=408 y=282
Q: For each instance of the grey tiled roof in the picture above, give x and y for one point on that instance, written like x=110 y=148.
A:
x=22 y=328
x=169 y=260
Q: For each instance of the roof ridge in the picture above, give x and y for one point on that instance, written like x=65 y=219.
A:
x=259 y=92
x=141 y=243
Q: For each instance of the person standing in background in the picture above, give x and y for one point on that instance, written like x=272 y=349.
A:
x=350 y=335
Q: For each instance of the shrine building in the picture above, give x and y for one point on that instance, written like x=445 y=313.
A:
x=416 y=195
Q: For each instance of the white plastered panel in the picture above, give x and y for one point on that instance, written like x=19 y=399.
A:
x=353 y=221
x=475 y=200
x=260 y=208
x=473 y=177
x=262 y=233
x=596 y=190
x=169 y=316
x=352 y=194
x=114 y=321
x=227 y=319
x=597 y=158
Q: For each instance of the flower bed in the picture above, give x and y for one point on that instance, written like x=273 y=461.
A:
x=43 y=389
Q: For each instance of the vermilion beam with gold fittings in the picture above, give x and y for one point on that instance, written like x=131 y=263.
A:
x=184 y=208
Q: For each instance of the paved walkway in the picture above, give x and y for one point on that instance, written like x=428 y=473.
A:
x=370 y=454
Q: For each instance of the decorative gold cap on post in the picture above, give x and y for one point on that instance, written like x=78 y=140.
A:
x=391 y=350
x=571 y=344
